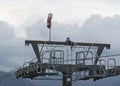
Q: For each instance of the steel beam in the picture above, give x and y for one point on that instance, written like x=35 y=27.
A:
x=27 y=42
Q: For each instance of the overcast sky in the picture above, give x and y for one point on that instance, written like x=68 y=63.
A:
x=17 y=12
x=82 y=20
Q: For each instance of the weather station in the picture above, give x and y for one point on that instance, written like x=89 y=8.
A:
x=67 y=60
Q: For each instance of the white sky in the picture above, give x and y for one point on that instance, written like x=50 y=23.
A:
x=17 y=12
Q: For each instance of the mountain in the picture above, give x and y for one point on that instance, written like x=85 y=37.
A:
x=47 y=82
x=111 y=81
x=12 y=81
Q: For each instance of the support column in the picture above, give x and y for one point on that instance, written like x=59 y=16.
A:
x=67 y=79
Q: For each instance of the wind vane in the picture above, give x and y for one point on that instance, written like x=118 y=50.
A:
x=49 y=19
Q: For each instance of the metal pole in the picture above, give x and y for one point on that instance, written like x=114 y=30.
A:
x=67 y=79
x=50 y=34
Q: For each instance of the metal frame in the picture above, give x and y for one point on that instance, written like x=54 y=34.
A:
x=66 y=69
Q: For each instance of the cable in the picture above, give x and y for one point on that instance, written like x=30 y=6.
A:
x=113 y=55
x=5 y=76
x=44 y=52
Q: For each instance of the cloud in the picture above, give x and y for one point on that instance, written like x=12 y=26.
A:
x=17 y=11
x=60 y=31
x=102 y=29
x=95 y=29
x=12 y=50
